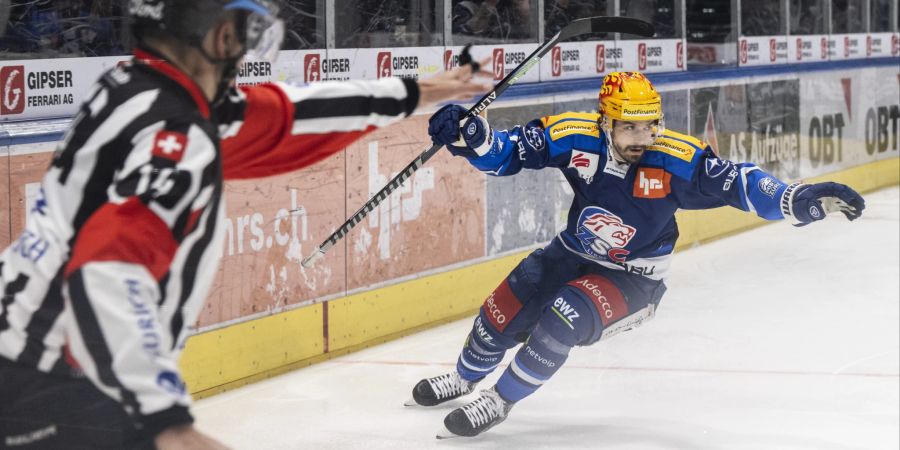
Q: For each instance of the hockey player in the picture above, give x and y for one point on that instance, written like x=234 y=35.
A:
x=605 y=272
x=102 y=287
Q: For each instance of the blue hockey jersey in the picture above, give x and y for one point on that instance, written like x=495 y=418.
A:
x=623 y=215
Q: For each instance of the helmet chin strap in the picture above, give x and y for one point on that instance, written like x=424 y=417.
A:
x=607 y=130
x=228 y=68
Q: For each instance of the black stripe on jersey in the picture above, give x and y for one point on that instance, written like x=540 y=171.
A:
x=83 y=127
x=319 y=108
x=94 y=340
x=192 y=263
x=232 y=108
x=208 y=177
x=9 y=296
x=110 y=158
x=41 y=322
x=61 y=367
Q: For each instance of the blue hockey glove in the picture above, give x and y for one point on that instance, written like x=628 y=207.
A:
x=812 y=202
x=445 y=126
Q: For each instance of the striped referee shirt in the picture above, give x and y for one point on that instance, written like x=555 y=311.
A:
x=123 y=242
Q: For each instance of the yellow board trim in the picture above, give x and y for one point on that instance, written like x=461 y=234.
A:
x=245 y=349
x=250 y=351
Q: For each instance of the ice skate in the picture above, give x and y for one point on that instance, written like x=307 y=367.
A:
x=436 y=390
x=476 y=417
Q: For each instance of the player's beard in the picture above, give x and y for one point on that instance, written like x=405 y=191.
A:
x=632 y=153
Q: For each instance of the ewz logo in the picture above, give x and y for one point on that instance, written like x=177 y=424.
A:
x=603 y=234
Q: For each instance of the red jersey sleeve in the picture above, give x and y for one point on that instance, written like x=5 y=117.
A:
x=271 y=129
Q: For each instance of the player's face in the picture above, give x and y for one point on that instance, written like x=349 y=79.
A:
x=224 y=41
x=631 y=139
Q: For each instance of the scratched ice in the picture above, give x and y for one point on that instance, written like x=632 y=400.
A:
x=780 y=338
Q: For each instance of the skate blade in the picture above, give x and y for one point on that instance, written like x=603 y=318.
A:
x=444 y=433
x=410 y=402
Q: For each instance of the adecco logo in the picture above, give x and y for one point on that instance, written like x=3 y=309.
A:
x=601 y=58
x=312 y=68
x=383 y=65
x=498 y=64
x=642 y=56
x=555 y=61
x=12 y=90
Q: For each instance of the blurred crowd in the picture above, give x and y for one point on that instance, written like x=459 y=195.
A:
x=54 y=28
x=51 y=28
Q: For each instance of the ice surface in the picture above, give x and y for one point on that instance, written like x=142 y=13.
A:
x=779 y=338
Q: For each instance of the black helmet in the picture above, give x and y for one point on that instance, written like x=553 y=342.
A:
x=190 y=20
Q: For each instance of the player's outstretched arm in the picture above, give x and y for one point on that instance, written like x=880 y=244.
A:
x=745 y=186
x=457 y=84
x=807 y=203
x=277 y=128
x=504 y=152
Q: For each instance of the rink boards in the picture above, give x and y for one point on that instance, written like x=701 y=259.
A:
x=439 y=245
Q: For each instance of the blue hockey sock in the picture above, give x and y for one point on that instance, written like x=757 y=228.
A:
x=534 y=364
x=481 y=354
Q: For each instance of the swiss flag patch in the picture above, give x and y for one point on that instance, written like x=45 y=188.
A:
x=169 y=145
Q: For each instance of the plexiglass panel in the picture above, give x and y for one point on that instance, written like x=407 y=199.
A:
x=387 y=23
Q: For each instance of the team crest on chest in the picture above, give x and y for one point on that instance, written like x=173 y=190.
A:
x=603 y=234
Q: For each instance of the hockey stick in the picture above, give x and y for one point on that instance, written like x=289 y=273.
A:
x=579 y=27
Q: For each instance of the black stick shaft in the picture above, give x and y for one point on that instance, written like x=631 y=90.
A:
x=581 y=26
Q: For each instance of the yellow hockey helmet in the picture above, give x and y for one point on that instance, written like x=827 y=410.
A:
x=629 y=96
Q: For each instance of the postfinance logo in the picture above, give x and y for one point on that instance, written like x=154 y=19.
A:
x=564 y=129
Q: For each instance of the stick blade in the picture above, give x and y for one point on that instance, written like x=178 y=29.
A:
x=604 y=24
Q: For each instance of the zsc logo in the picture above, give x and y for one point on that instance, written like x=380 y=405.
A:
x=603 y=234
